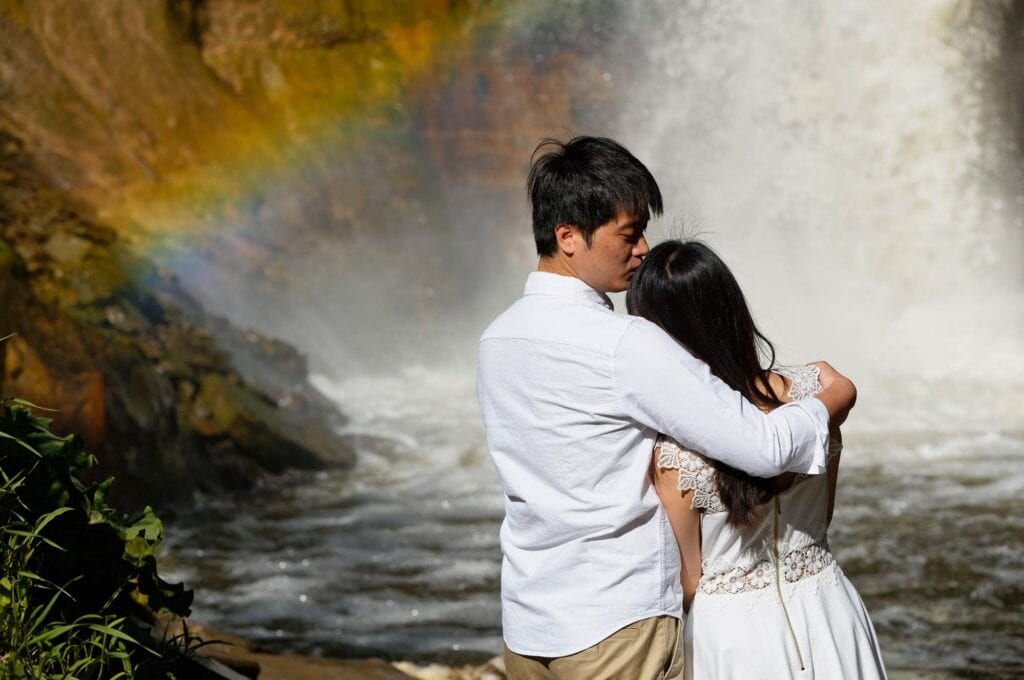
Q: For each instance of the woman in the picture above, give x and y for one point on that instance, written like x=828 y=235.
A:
x=765 y=597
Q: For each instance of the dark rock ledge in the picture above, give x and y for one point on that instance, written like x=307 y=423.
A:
x=231 y=657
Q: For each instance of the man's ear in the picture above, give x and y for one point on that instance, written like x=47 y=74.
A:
x=565 y=237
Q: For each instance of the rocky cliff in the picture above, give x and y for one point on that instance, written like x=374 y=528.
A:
x=162 y=157
x=134 y=365
x=109 y=106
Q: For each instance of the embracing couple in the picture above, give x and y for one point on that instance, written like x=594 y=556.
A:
x=657 y=466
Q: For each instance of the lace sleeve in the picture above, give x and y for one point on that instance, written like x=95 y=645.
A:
x=695 y=474
x=803 y=380
x=804 y=383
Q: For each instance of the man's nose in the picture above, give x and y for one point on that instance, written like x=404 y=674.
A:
x=641 y=248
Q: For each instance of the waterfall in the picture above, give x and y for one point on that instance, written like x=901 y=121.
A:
x=856 y=164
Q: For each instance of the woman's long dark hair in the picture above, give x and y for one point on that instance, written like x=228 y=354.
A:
x=685 y=288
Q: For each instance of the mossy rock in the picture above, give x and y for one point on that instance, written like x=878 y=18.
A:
x=216 y=399
x=265 y=434
x=97 y=278
x=9 y=259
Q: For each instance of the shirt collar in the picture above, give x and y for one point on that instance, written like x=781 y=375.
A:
x=546 y=283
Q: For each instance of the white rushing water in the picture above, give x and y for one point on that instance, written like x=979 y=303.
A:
x=399 y=556
x=853 y=163
x=396 y=557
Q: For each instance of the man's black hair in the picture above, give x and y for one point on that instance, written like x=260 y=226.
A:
x=585 y=182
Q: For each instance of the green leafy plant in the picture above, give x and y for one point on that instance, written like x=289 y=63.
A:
x=78 y=580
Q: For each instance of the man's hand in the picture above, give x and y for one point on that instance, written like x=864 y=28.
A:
x=839 y=395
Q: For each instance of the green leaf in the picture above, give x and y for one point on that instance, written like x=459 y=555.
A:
x=147 y=524
x=40 y=614
x=48 y=583
x=4 y=435
x=99 y=497
x=22 y=402
x=51 y=633
x=50 y=516
x=33 y=535
x=113 y=632
x=82 y=663
x=139 y=547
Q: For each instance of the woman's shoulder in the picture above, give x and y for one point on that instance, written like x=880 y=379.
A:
x=672 y=454
x=696 y=473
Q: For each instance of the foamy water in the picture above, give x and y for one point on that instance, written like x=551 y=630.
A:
x=399 y=557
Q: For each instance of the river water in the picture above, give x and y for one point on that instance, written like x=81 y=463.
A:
x=400 y=559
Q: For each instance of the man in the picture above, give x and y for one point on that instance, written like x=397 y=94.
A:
x=572 y=397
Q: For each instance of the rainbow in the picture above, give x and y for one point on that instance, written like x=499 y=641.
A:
x=203 y=185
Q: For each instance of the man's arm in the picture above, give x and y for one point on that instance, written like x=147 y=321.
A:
x=664 y=387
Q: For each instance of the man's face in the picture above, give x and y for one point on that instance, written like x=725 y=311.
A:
x=614 y=253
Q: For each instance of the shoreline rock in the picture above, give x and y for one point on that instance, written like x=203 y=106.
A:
x=494 y=669
x=160 y=391
x=246 y=659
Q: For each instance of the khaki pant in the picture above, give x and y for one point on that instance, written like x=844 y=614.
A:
x=650 y=649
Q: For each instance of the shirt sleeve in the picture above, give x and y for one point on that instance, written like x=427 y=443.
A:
x=664 y=387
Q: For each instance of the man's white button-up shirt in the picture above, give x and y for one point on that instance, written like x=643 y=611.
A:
x=572 y=397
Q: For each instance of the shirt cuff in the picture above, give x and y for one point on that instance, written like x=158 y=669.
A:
x=814 y=460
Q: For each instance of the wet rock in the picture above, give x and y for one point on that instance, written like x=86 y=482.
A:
x=66 y=248
x=214 y=410
x=9 y=258
x=125 y=319
x=81 y=394
x=135 y=366
x=492 y=670
x=245 y=658
x=148 y=396
x=25 y=373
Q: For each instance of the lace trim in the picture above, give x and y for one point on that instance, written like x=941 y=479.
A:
x=803 y=380
x=796 y=565
x=695 y=474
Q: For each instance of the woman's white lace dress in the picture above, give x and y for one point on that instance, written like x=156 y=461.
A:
x=772 y=602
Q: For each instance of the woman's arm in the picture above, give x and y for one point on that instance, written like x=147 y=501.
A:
x=839 y=394
x=685 y=523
